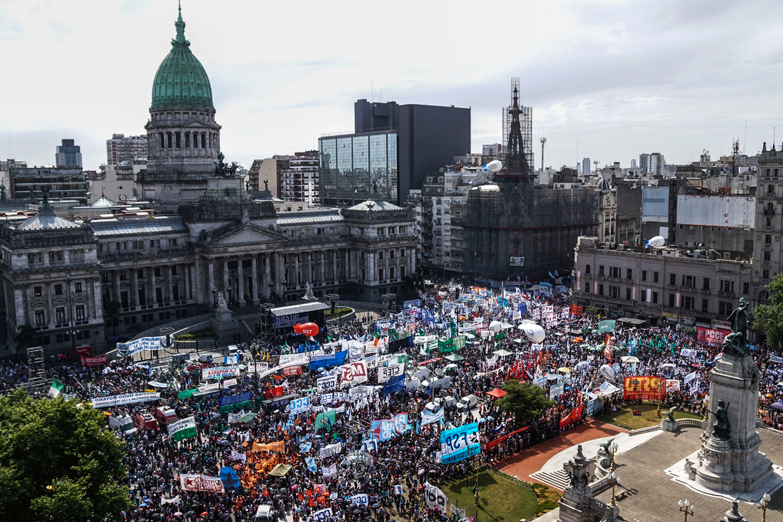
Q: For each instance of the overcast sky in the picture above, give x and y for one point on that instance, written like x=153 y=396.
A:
x=606 y=79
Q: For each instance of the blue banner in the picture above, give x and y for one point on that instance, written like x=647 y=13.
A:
x=393 y=385
x=325 y=361
x=460 y=443
x=382 y=430
x=236 y=399
x=523 y=308
x=414 y=303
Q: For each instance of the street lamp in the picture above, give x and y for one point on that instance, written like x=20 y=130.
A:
x=214 y=298
x=615 y=480
x=613 y=447
x=686 y=507
x=764 y=503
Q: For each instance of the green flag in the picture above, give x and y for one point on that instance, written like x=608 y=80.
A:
x=183 y=429
x=56 y=389
x=394 y=335
x=324 y=420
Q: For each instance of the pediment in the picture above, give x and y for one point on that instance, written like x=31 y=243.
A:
x=248 y=235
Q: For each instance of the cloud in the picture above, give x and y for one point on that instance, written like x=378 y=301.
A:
x=60 y=28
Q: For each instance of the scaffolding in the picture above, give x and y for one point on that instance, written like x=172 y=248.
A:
x=525 y=126
x=389 y=305
x=35 y=360
x=266 y=327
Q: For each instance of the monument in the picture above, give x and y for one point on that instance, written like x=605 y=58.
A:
x=223 y=324
x=577 y=503
x=729 y=460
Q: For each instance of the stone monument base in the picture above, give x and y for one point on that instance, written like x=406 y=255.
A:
x=224 y=326
x=669 y=425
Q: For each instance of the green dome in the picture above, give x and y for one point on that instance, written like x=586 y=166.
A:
x=181 y=81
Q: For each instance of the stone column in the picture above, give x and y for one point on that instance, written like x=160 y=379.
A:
x=211 y=277
x=347 y=267
x=256 y=300
x=49 y=305
x=267 y=276
x=321 y=269
x=225 y=279
x=296 y=270
x=151 y=301
x=134 y=298
x=278 y=272
x=192 y=278
x=169 y=297
x=334 y=266
x=116 y=281
x=96 y=293
x=21 y=308
x=240 y=282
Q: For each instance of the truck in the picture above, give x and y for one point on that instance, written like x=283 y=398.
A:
x=123 y=423
x=165 y=415
x=145 y=421
x=467 y=403
x=264 y=513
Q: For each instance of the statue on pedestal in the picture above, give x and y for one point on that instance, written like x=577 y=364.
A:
x=221 y=302
x=736 y=343
x=721 y=429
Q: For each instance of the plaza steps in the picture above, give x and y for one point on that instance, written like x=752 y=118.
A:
x=558 y=479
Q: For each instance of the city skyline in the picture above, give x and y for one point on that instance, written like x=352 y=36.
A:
x=617 y=78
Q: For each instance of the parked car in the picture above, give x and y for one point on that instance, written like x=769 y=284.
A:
x=206 y=359
x=467 y=403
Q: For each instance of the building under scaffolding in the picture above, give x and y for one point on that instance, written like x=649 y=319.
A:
x=515 y=228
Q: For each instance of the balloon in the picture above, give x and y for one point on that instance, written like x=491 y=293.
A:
x=494 y=166
x=309 y=329
x=298 y=328
x=657 y=241
x=608 y=372
x=533 y=332
x=495 y=326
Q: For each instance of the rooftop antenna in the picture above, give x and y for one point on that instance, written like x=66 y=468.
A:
x=543 y=140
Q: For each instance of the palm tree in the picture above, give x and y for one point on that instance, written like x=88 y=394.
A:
x=25 y=336
x=113 y=311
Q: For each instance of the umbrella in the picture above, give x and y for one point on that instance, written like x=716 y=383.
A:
x=564 y=370
x=777 y=405
x=630 y=359
x=178 y=514
x=769 y=395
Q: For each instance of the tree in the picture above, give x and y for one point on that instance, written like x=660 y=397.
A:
x=414 y=282
x=58 y=462
x=25 y=336
x=524 y=401
x=112 y=311
x=769 y=317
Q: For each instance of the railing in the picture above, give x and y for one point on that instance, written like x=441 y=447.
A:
x=690 y=422
x=648 y=429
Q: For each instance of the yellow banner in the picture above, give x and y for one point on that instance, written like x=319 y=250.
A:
x=278 y=446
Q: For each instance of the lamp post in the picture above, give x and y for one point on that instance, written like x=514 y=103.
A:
x=764 y=503
x=615 y=480
x=476 y=496
x=612 y=451
x=686 y=507
x=214 y=298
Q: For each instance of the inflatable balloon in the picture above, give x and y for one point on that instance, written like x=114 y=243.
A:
x=309 y=329
x=494 y=166
x=535 y=333
x=298 y=328
x=495 y=326
x=608 y=372
x=656 y=242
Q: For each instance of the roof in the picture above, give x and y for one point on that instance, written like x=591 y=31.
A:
x=299 y=308
x=46 y=220
x=103 y=202
x=375 y=205
x=309 y=216
x=145 y=226
x=181 y=80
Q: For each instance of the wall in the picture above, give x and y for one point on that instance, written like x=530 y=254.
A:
x=717 y=211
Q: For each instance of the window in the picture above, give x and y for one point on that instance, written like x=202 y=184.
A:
x=644 y=275
x=688 y=303
x=391 y=254
x=600 y=289
x=80 y=312
x=688 y=282
x=672 y=279
x=587 y=288
x=58 y=289
x=726 y=286
x=745 y=288
x=391 y=272
x=76 y=256
x=655 y=297
x=706 y=283
x=629 y=274
x=157 y=271
x=724 y=308
x=402 y=271
x=705 y=305
x=671 y=300
x=615 y=272
x=174 y=270
x=765 y=274
x=587 y=269
x=402 y=252
x=56 y=256
x=40 y=318
x=627 y=294
x=601 y=270
x=655 y=277
x=380 y=274
x=77 y=287
x=380 y=255
x=123 y=275
x=767 y=256
x=768 y=239
x=59 y=314
x=37 y=291
x=36 y=258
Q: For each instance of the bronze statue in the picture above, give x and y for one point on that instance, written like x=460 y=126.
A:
x=605 y=446
x=740 y=322
x=733 y=345
x=670 y=414
x=224 y=169
x=721 y=428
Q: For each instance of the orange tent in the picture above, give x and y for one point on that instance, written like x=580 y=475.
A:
x=497 y=393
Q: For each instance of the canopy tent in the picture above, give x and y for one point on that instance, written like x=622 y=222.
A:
x=632 y=321
x=503 y=353
x=280 y=470
x=247 y=418
x=497 y=393
x=454 y=358
x=629 y=359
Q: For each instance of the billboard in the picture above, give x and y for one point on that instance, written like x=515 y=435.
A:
x=717 y=211
x=644 y=388
x=655 y=204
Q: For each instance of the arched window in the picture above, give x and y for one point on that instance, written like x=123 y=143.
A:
x=767 y=172
x=587 y=269
x=770 y=206
x=776 y=172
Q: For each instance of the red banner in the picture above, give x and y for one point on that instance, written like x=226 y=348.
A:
x=292 y=370
x=576 y=310
x=84 y=350
x=495 y=442
x=93 y=361
x=574 y=416
x=710 y=336
x=644 y=388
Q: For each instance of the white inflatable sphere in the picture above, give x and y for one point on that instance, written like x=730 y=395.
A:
x=494 y=166
x=495 y=326
x=608 y=372
x=534 y=332
x=657 y=241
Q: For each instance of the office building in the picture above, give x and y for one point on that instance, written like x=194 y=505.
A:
x=391 y=150
x=64 y=184
x=69 y=155
x=122 y=149
x=768 y=254
x=586 y=167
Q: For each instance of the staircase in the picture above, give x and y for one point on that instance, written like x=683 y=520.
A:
x=558 y=479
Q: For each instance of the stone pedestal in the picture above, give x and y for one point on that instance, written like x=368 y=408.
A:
x=669 y=425
x=576 y=502
x=224 y=326
x=735 y=464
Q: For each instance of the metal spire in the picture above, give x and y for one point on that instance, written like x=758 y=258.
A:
x=180 y=25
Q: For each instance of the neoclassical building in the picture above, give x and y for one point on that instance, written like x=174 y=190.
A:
x=80 y=281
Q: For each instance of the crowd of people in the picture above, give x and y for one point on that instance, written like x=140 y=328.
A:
x=332 y=457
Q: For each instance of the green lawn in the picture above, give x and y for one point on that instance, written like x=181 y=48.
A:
x=502 y=499
x=625 y=418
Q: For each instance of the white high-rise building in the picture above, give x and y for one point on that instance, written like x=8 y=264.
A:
x=586 y=166
x=633 y=163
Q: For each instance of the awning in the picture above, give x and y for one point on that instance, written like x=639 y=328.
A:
x=503 y=353
x=629 y=359
x=248 y=417
x=299 y=309
x=632 y=321
x=497 y=393
x=454 y=358
x=280 y=470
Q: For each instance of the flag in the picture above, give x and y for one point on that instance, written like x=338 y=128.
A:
x=324 y=420
x=608 y=348
x=56 y=389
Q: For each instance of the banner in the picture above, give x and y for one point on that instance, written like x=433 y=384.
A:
x=276 y=447
x=672 y=385
x=644 y=388
x=323 y=515
x=238 y=455
x=354 y=373
x=688 y=378
x=329 y=471
x=175 y=500
x=387 y=372
x=326 y=384
x=608 y=348
x=369 y=445
x=435 y=498
x=201 y=483
x=326 y=361
x=299 y=358
x=288 y=371
x=119 y=400
x=577 y=310
x=574 y=416
x=710 y=336
x=145 y=343
x=556 y=390
x=236 y=399
x=497 y=441
x=382 y=430
x=606 y=326
x=401 y=423
x=183 y=429
x=331 y=450
x=460 y=443
x=220 y=372
x=93 y=361
x=299 y=405
x=324 y=420
x=184 y=394
x=428 y=417
x=457 y=511
x=360 y=500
